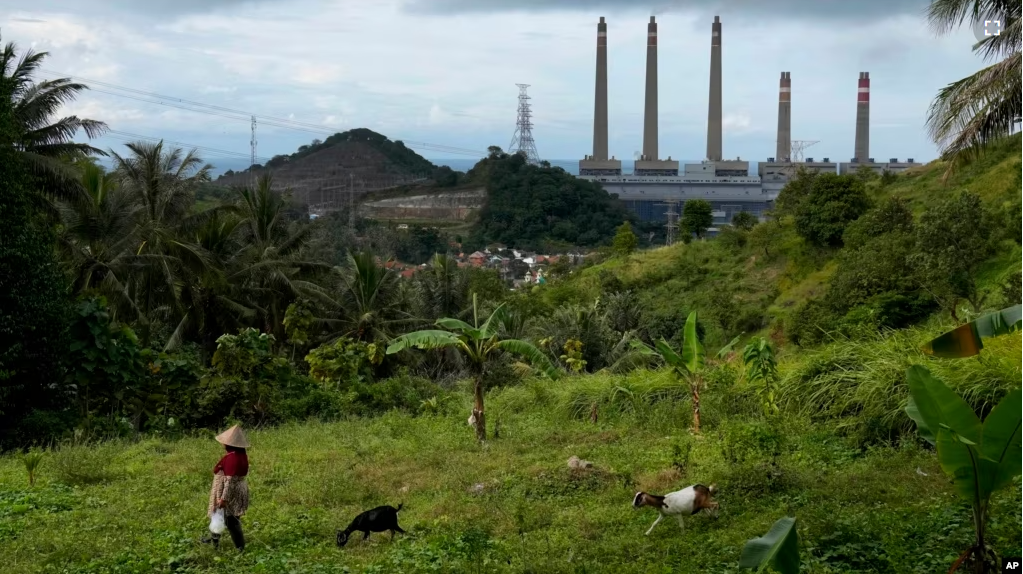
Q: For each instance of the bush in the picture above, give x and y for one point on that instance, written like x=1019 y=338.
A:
x=834 y=202
x=79 y=463
x=810 y=323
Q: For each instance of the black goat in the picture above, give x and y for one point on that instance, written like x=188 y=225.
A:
x=378 y=519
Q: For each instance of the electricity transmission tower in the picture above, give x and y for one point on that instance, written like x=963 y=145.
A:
x=671 y=225
x=799 y=146
x=522 y=139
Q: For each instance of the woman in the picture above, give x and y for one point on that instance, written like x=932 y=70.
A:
x=230 y=492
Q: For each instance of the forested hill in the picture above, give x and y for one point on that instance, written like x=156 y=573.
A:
x=360 y=158
x=533 y=207
x=394 y=151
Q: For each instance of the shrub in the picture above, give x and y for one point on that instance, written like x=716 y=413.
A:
x=834 y=202
x=810 y=323
x=81 y=463
x=344 y=362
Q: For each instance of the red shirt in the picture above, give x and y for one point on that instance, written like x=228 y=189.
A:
x=233 y=464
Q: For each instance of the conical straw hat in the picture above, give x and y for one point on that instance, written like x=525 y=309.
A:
x=233 y=437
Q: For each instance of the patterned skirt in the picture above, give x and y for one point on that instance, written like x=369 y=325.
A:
x=234 y=490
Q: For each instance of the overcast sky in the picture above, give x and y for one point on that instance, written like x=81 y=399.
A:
x=444 y=71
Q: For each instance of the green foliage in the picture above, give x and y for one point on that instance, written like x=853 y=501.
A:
x=762 y=373
x=953 y=241
x=344 y=362
x=688 y=365
x=779 y=549
x=834 y=201
x=34 y=308
x=419 y=244
x=981 y=458
x=298 y=323
x=625 y=240
x=105 y=369
x=796 y=192
x=744 y=221
x=967 y=340
x=248 y=379
x=31 y=460
x=573 y=356
x=395 y=151
x=527 y=205
x=697 y=217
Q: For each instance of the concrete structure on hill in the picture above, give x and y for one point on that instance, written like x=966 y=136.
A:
x=658 y=187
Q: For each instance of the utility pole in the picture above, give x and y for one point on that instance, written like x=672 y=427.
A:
x=671 y=225
x=351 y=202
x=252 y=144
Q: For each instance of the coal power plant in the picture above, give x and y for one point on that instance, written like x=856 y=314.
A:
x=658 y=188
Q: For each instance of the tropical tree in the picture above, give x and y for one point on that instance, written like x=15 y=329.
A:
x=762 y=373
x=271 y=266
x=744 y=220
x=369 y=300
x=479 y=343
x=981 y=457
x=625 y=241
x=443 y=288
x=46 y=143
x=98 y=236
x=697 y=217
x=687 y=366
x=969 y=113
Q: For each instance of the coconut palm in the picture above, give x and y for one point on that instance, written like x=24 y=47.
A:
x=370 y=299
x=46 y=142
x=97 y=236
x=975 y=110
x=272 y=267
x=479 y=344
x=162 y=183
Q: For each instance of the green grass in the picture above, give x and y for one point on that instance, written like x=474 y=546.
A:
x=140 y=507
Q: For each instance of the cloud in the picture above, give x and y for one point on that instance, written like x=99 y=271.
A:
x=149 y=8
x=736 y=122
x=789 y=10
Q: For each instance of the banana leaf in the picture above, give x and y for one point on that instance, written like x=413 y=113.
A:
x=779 y=548
x=967 y=340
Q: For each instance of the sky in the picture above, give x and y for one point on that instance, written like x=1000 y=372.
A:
x=444 y=72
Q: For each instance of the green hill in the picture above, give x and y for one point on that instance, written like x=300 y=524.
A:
x=757 y=281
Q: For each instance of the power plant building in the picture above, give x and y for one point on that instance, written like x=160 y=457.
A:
x=657 y=187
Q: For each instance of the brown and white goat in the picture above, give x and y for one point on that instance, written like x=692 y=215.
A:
x=688 y=501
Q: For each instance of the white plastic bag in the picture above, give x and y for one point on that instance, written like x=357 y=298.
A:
x=217 y=524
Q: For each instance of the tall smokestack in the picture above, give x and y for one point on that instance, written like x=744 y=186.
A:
x=650 y=109
x=784 y=151
x=714 y=111
x=600 y=99
x=862 y=149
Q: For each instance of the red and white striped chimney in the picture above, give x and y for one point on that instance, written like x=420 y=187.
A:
x=862 y=147
x=784 y=148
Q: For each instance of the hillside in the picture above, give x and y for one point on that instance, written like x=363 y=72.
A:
x=511 y=507
x=758 y=281
x=325 y=172
x=541 y=207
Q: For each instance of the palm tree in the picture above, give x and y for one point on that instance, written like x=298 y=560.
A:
x=369 y=299
x=271 y=265
x=969 y=113
x=162 y=183
x=479 y=344
x=97 y=236
x=44 y=142
x=687 y=367
x=444 y=288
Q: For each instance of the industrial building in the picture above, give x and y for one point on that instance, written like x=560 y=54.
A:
x=658 y=188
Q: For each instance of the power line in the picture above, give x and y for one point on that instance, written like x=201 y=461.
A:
x=127 y=136
x=241 y=115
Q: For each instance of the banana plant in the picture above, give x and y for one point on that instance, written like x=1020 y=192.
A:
x=981 y=457
x=479 y=343
x=687 y=367
x=779 y=548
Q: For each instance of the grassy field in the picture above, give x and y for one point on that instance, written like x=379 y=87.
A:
x=140 y=506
